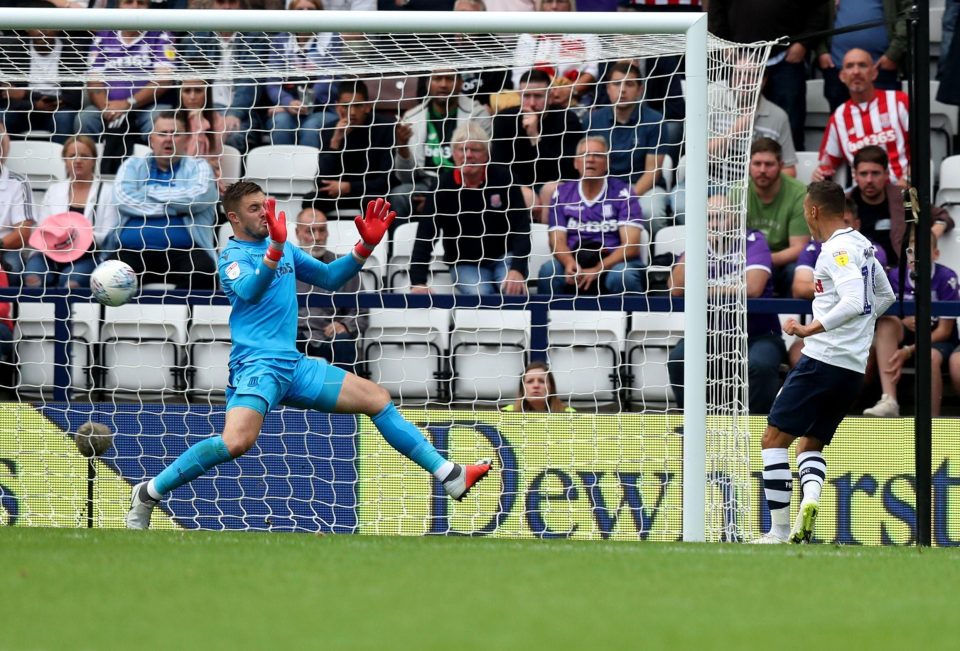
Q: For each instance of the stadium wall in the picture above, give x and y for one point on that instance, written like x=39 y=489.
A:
x=599 y=477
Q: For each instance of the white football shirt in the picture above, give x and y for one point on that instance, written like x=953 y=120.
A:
x=846 y=257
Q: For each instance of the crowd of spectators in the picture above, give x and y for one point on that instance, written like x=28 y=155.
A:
x=559 y=139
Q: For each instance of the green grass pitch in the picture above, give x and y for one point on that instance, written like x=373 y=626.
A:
x=82 y=589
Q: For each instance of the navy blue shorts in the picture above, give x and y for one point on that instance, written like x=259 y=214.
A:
x=814 y=399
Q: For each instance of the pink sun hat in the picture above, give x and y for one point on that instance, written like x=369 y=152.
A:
x=64 y=237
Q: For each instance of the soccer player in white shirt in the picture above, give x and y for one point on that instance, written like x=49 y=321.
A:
x=851 y=291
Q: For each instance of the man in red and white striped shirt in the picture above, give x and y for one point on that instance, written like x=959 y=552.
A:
x=869 y=117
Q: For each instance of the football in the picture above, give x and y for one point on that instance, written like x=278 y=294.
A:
x=113 y=283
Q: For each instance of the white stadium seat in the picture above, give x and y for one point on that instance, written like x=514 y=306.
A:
x=807 y=162
x=284 y=170
x=651 y=336
x=144 y=347
x=210 y=342
x=231 y=164
x=949 y=193
x=35 y=344
x=585 y=353
x=38 y=160
x=398 y=266
x=405 y=351
x=540 y=252
x=818 y=114
x=488 y=352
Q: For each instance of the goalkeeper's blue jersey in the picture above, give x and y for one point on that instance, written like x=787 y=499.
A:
x=263 y=321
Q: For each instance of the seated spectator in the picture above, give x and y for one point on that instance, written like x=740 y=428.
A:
x=538 y=392
x=423 y=140
x=16 y=213
x=355 y=159
x=880 y=203
x=205 y=125
x=328 y=332
x=479 y=85
x=64 y=254
x=82 y=191
x=42 y=103
x=573 y=56
x=596 y=227
x=775 y=208
x=895 y=338
x=484 y=220
x=803 y=282
x=734 y=99
x=537 y=144
x=637 y=147
x=300 y=101
x=765 y=348
x=869 y=117
x=167 y=203
x=121 y=106
x=230 y=58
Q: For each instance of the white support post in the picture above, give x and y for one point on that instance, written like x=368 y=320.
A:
x=695 y=290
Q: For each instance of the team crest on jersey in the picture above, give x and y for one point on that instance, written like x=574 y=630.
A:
x=495 y=201
x=841 y=257
x=884 y=121
x=233 y=271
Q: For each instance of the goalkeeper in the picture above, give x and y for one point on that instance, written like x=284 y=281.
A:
x=259 y=276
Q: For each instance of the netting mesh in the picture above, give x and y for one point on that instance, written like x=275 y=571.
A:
x=324 y=123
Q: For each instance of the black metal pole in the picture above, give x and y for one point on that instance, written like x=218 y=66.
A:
x=91 y=479
x=919 y=31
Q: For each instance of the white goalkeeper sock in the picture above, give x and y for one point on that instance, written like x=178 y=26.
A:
x=443 y=471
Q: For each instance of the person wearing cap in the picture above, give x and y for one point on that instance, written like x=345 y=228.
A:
x=64 y=252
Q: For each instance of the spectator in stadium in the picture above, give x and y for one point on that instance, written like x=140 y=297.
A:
x=748 y=21
x=63 y=252
x=228 y=58
x=880 y=203
x=484 y=220
x=765 y=348
x=16 y=212
x=538 y=145
x=355 y=158
x=803 y=281
x=887 y=44
x=633 y=130
x=737 y=110
x=82 y=191
x=895 y=339
x=775 y=208
x=423 y=138
x=596 y=227
x=328 y=332
x=869 y=117
x=481 y=84
x=573 y=56
x=42 y=103
x=537 y=392
x=300 y=101
x=145 y=60
x=205 y=125
x=167 y=203
x=6 y=338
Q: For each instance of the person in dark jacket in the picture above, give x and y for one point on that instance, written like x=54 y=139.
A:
x=355 y=158
x=484 y=220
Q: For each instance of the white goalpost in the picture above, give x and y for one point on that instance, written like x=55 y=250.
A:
x=627 y=464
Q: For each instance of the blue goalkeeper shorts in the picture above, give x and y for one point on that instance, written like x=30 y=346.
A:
x=306 y=382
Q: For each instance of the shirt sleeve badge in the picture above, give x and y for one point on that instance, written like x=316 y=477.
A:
x=841 y=257
x=233 y=271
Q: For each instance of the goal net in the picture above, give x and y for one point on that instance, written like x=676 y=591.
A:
x=544 y=205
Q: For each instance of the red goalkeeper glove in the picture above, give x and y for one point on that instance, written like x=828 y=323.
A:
x=372 y=227
x=277 y=227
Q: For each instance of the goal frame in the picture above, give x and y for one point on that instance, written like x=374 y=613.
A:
x=693 y=25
